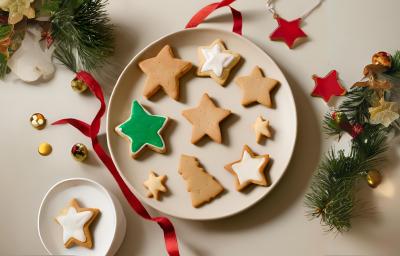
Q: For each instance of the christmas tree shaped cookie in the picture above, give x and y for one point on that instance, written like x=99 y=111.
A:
x=143 y=129
x=201 y=185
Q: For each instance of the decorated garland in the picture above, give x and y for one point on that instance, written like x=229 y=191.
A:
x=78 y=33
x=369 y=114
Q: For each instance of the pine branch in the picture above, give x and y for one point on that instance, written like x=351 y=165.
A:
x=356 y=104
x=395 y=69
x=333 y=188
x=330 y=126
x=82 y=33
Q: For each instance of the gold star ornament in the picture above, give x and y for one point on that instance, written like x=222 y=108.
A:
x=163 y=72
x=256 y=88
x=205 y=119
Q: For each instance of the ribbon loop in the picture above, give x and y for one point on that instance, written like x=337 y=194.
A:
x=171 y=242
x=203 y=13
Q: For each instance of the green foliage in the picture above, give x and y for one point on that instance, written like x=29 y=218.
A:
x=3 y=65
x=356 y=104
x=82 y=33
x=50 y=6
x=5 y=31
x=332 y=195
x=395 y=69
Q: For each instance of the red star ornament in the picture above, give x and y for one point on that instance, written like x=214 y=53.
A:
x=287 y=31
x=328 y=86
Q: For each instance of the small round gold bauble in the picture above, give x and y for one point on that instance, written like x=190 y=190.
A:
x=45 y=149
x=78 y=85
x=338 y=117
x=382 y=58
x=374 y=178
x=80 y=152
x=38 y=121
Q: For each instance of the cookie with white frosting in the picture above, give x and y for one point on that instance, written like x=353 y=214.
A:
x=216 y=61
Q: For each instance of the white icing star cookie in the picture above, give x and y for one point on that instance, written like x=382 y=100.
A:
x=249 y=169
x=75 y=222
x=261 y=128
x=155 y=184
x=216 y=61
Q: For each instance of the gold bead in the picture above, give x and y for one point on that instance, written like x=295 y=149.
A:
x=374 y=178
x=38 y=121
x=80 y=152
x=78 y=85
x=45 y=149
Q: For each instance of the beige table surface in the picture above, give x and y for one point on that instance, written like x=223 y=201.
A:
x=343 y=35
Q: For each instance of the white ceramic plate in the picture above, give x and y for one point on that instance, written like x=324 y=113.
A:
x=108 y=231
x=236 y=129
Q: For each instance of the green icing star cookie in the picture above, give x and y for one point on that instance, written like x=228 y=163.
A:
x=143 y=129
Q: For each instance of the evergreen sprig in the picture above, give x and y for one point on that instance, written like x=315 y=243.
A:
x=332 y=196
x=82 y=33
x=332 y=193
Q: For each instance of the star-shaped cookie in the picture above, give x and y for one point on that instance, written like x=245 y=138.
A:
x=216 y=61
x=249 y=169
x=143 y=129
x=164 y=71
x=205 y=119
x=75 y=222
x=256 y=88
x=261 y=128
x=155 y=184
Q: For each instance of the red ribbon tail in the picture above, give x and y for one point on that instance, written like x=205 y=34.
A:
x=203 y=13
x=171 y=241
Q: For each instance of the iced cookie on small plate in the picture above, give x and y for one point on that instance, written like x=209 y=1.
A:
x=216 y=61
x=249 y=169
x=75 y=222
x=143 y=129
x=164 y=72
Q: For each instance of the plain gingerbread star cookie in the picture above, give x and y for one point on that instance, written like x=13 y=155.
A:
x=256 y=88
x=261 y=128
x=164 y=71
x=249 y=169
x=75 y=222
x=205 y=119
x=155 y=184
x=216 y=61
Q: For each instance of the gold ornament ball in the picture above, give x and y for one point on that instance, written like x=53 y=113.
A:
x=338 y=117
x=80 y=152
x=383 y=59
x=374 y=178
x=45 y=149
x=78 y=85
x=38 y=121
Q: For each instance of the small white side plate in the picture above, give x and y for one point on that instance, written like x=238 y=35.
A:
x=108 y=230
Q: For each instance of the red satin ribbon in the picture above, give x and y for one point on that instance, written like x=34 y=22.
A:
x=91 y=131
x=201 y=15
